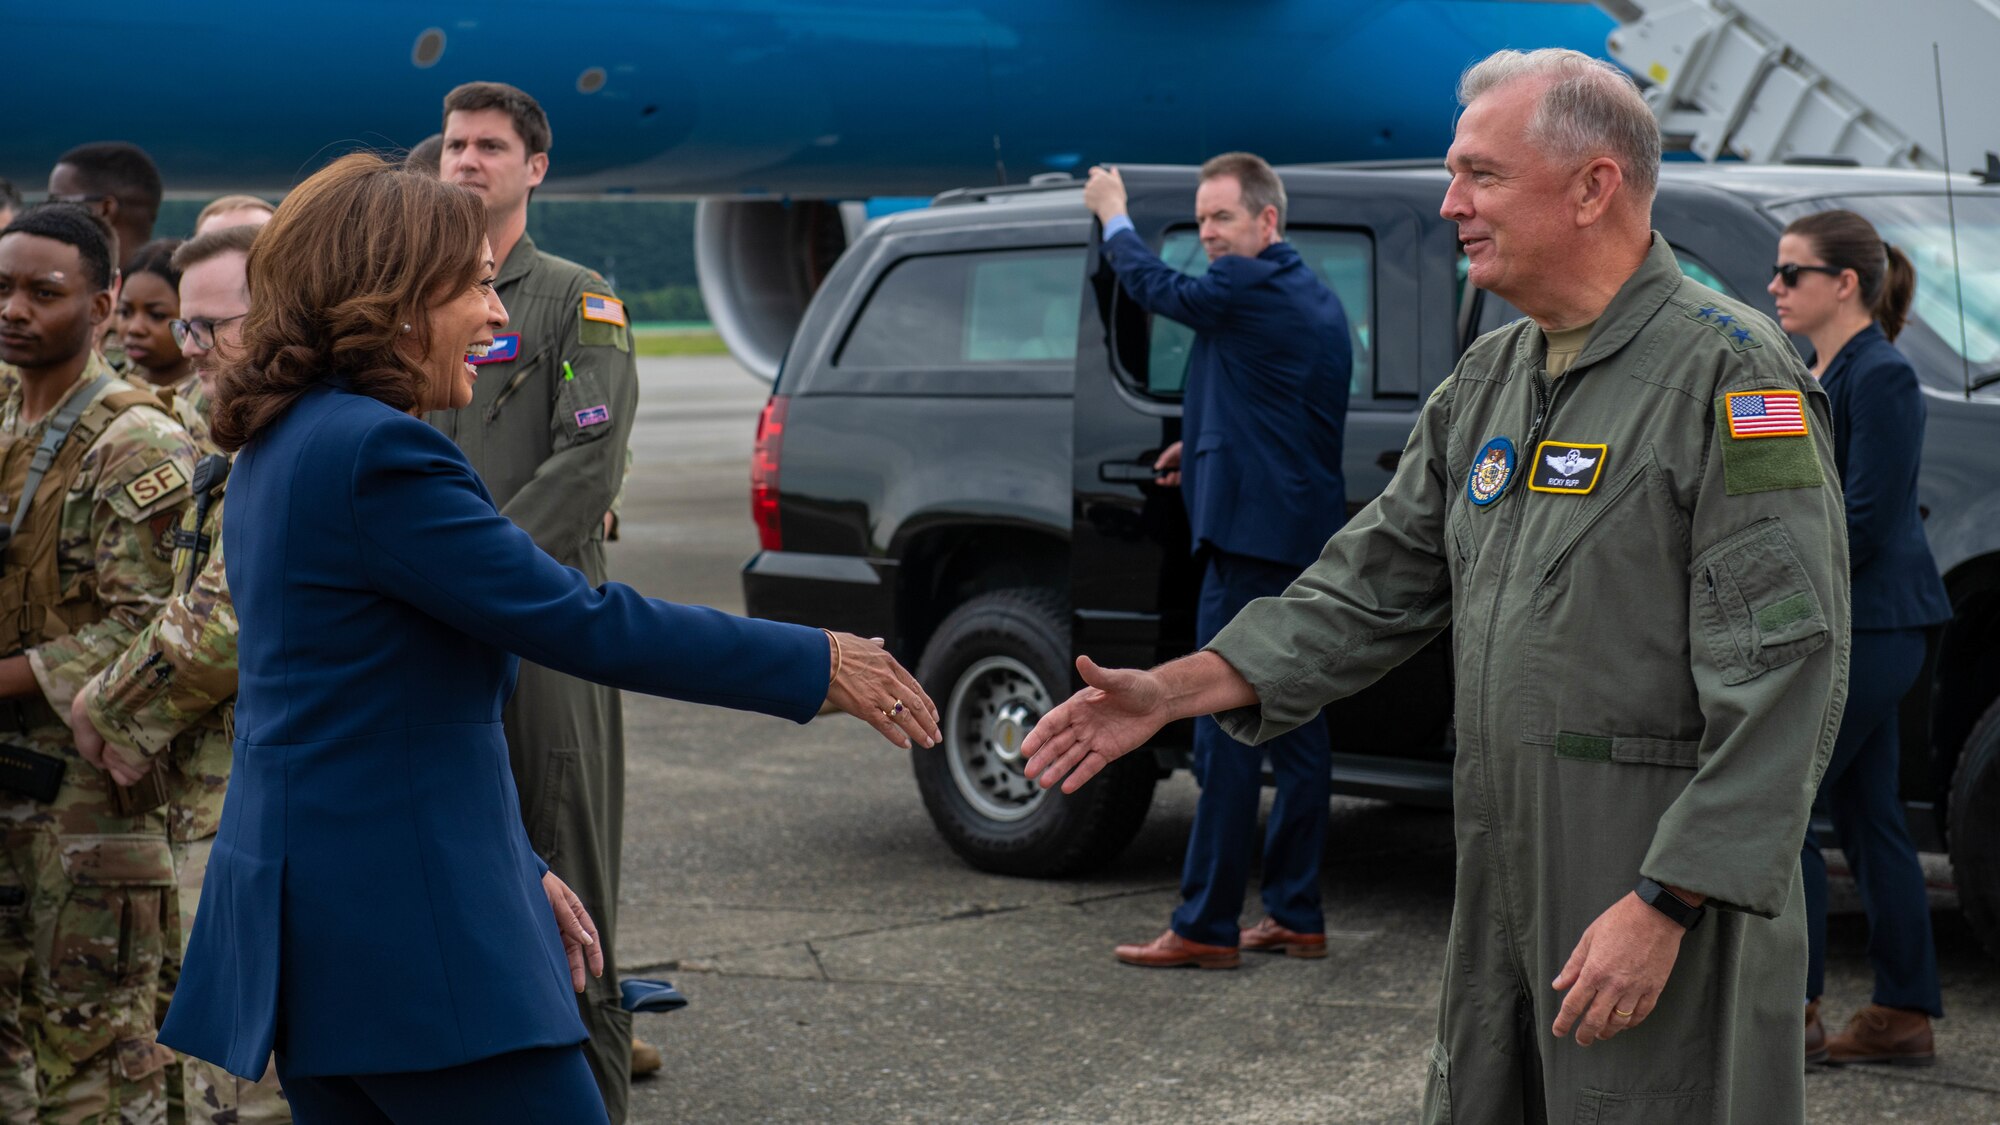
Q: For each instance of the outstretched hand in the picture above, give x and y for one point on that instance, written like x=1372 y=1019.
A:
x=1115 y=713
x=579 y=933
x=870 y=685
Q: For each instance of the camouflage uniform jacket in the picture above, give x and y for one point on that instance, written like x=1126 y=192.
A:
x=112 y=541
x=188 y=403
x=172 y=692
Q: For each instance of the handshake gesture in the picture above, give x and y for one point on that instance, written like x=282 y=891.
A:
x=867 y=683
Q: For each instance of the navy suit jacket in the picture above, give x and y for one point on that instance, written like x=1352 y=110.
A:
x=1266 y=396
x=1878 y=442
x=372 y=904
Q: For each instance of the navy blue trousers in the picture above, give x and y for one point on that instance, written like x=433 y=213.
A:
x=1861 y=790
x=540 y=1086
x=1217 y=868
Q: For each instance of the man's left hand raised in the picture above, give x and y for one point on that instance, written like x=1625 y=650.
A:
x=1617 y=972
x=1105 y=193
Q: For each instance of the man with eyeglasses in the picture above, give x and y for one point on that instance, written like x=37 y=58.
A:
x=118 y=183
x=131 y=719
x=93 y=475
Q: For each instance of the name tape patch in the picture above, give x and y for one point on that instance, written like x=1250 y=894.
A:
x=603 y=309
x=505 y=349
x=156 y=483
x=1567 y=466
x=593 y=416
x=1761 y=414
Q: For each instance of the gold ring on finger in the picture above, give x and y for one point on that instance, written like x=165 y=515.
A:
x=1627 y=1013
x=896 y=710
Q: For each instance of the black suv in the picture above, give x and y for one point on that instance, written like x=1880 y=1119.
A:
x=957 y=456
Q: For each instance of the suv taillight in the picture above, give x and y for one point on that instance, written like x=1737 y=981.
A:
x=764 y=472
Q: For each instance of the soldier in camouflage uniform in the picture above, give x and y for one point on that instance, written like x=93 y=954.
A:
x=167 y=702
x=85 y=870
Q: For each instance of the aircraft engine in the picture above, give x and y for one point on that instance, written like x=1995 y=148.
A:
x=759 y=262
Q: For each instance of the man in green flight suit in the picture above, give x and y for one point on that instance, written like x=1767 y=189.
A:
x=551 y=413
x=1626 y=506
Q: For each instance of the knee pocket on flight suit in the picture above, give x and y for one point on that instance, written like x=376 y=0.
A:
x=1660 y=1107
x=551 y=805
x=104 y=951
x=1756 y=606
x=1437 y=1086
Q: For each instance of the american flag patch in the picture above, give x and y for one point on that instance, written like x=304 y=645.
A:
x=609 y=310
x=1755 y=414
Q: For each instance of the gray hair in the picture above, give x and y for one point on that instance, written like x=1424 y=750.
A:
x=1590 y=108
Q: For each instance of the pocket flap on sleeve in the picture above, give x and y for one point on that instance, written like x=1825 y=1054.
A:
x=1754 y=603
x=118 y=859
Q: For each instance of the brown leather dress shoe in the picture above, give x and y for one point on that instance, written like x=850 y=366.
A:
x=1171 y=951
x=1815 y=1034
x=1269 y=937
x=1884 y=1035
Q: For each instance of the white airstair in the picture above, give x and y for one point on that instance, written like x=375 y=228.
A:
x=1771 y=80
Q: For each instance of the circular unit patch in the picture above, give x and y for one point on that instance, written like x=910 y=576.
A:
x=1491 y=472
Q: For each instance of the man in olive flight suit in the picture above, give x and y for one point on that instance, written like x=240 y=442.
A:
x=1627 y=507
x=551 y=413
x=94 y=475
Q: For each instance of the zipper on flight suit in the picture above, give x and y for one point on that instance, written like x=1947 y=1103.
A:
x=1545 y=400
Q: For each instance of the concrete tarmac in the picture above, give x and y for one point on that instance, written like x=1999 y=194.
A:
x=843 y=965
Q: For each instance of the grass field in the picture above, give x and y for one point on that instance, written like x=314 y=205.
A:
x=677 y=339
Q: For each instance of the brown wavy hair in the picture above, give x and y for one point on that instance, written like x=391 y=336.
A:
x=1846 y=241
x=357 y=254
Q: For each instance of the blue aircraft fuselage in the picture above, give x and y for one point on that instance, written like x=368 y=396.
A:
x=762 y=97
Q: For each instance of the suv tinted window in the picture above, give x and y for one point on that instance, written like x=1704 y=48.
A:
x=1006 y=307
x=1343 y=259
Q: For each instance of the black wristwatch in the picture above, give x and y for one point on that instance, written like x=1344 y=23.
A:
x=1687 y=916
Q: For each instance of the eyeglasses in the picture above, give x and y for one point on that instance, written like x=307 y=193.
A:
x=201 y=330
x=77 y=197
x=1788 y=272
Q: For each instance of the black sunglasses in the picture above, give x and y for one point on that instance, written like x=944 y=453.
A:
x=1789 y=272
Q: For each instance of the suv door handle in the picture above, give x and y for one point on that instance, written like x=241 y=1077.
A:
x=1127 y=472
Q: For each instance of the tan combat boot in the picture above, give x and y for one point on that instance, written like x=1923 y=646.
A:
x=1884 y=1035
x=645 y=1057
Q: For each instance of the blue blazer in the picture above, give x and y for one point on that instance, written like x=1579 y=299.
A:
x=1266 y=396
x=1878 y=442
x=371 y=903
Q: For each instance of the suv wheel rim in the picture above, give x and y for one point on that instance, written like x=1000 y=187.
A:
x=993 y=707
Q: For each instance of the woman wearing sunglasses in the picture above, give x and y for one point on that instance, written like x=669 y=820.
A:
x=1848 y=292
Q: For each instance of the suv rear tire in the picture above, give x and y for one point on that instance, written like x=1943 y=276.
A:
x=994 y=667
x=1975 y=831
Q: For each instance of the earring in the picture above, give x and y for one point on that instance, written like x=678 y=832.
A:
x=406 y=328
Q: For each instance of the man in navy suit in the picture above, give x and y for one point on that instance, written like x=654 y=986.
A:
x=1259 y=466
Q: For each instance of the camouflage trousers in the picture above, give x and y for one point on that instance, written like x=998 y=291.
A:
x=86 y=895
x=206 y=1094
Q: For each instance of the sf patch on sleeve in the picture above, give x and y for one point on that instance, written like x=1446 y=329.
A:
x=155 y=484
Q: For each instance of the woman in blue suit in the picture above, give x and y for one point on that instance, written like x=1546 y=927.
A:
x=373 y=912
x=1843 y=288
